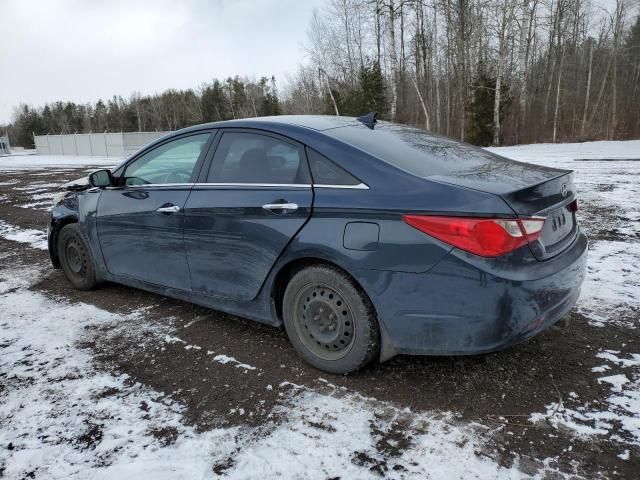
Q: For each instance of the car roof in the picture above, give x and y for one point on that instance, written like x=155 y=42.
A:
x=313 y=122
x=316 y=122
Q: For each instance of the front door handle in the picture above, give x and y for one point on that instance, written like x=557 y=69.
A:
x=285 y=207
x=168 y=209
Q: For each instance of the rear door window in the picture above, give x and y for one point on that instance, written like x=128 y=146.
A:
x=243 y=157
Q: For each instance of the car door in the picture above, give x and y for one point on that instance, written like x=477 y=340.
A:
x=254 y=199
x=140 y=222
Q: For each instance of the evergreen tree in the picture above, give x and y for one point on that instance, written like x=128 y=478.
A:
x=367 y=95
x=270 y=103
x=373 y=97
x=214 y=105
x=481 y=127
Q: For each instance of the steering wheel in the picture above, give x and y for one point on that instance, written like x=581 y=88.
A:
x=177 y=176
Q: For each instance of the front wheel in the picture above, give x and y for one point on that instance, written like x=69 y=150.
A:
x=75 y=257
x=329 y=321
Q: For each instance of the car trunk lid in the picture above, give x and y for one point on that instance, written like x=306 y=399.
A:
x=531 y=191
x=555 y=200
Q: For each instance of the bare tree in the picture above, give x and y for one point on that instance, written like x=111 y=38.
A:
x=505 y=14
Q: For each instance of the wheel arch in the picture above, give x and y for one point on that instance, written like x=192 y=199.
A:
x=290 y=268
x=53 y=238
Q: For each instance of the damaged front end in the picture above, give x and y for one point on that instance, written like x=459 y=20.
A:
x=63 y=211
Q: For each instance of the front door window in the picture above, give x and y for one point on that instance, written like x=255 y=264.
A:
x=172 y=162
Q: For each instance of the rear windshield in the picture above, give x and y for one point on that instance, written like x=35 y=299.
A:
x=419 y=152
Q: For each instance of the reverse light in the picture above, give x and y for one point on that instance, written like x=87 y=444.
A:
x=487 y=237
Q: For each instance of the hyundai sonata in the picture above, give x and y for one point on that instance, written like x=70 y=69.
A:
x=364 y=239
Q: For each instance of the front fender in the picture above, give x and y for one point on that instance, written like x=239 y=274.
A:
x=81 y=208
x=62 y=214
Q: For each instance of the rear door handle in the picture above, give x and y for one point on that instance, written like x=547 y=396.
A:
x=287 y=207
x=168 y=209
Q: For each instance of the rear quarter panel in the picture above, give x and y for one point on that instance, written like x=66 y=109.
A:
x=398 y=247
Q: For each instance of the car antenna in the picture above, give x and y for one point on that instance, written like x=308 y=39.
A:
x=370 y=119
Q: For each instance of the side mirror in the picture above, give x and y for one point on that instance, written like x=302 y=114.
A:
x=101 y=179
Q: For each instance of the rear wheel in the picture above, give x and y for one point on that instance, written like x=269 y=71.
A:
x=329 y=321
x=75 y=257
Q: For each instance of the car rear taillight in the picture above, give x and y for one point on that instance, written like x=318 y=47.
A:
x=487 y=237
x=573 y=206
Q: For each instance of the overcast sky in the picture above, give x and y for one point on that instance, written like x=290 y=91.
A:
x=84 y=50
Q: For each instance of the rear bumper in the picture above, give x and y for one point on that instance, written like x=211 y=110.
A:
x=466 y=305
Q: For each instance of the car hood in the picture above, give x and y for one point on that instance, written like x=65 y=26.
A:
x=76 y=185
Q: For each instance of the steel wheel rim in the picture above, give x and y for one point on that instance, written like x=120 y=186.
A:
x=75 y=257
x=324 y=321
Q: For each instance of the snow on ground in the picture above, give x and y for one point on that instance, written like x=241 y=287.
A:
x=56 y=406
x=621 y=407
x=35 y=162
x=320 y=427
x=609 y=260
x=553 y=153
x=38 y=195
x=35 y=238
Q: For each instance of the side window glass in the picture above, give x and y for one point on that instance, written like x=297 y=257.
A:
x=253 y=158
x=172 y=162
x=325 y=172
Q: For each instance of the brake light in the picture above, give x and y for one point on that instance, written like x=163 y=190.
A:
x=573 y=206
x=487 y=237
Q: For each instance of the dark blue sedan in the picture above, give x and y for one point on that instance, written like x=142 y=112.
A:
x=364 y=239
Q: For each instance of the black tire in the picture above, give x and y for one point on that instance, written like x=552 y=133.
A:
x=329 y=321
x=75 y=257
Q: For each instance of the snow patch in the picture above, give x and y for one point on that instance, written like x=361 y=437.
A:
x=224 y=359
x=622 y=408
x=616 y=381
x=613 y=277
x=35 y=238
x=346 y=437
x=65 y=419
x=36 y=162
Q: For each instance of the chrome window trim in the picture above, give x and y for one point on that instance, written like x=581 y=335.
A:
x=280 y=185
x=186 y=184
x=149 y=185
x=360 y=186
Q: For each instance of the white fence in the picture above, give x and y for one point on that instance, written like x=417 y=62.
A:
x=5 y=148
x=94 y=144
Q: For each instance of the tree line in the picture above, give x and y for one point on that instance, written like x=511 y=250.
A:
x=484 y=71
x=489 y=72
x=170 y=110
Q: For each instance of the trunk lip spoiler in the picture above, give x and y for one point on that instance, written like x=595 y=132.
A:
x=443 y=179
